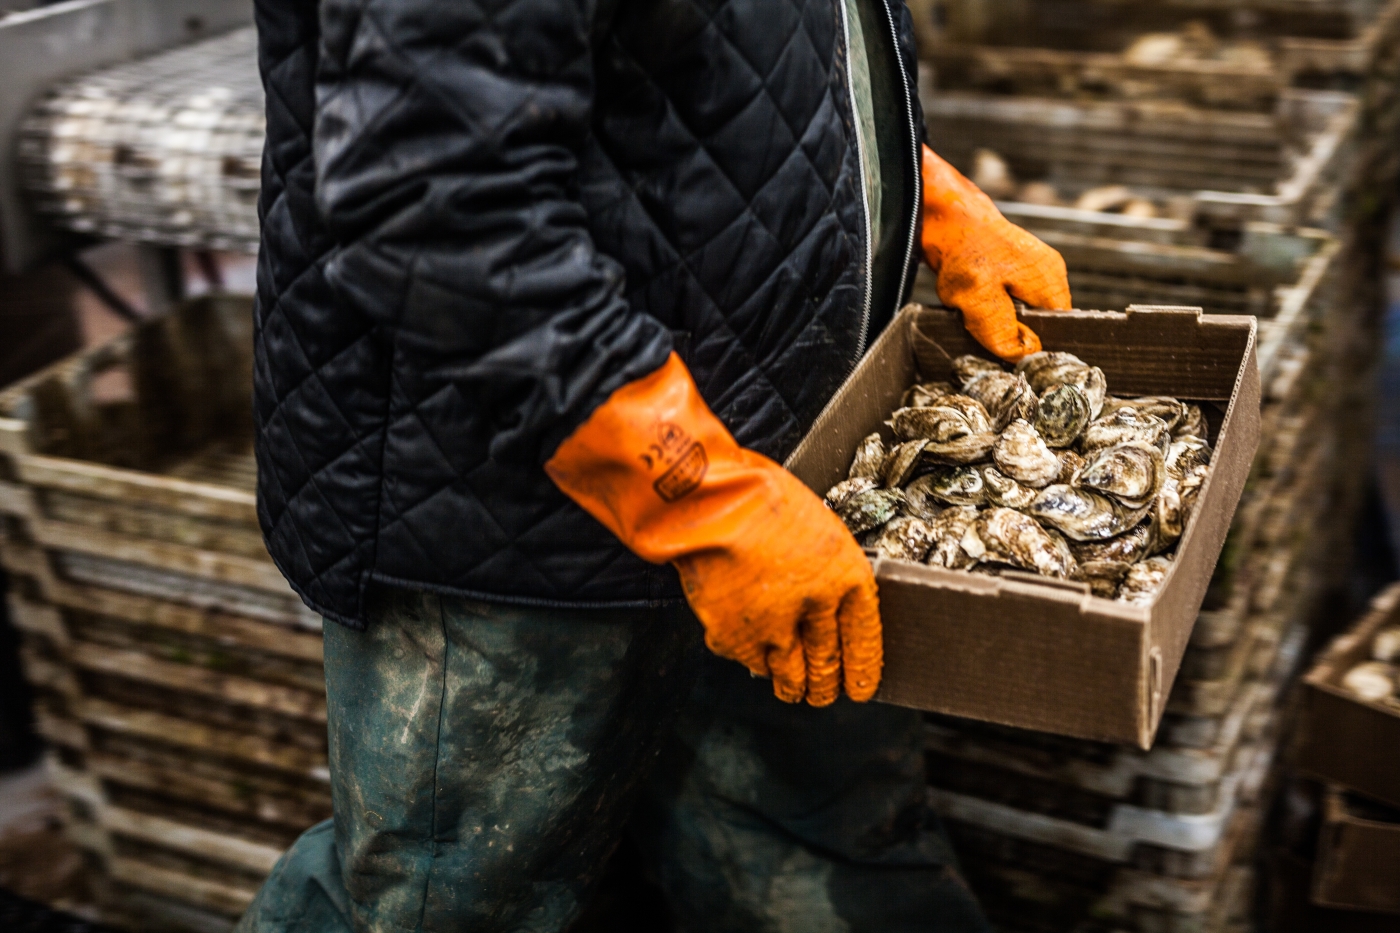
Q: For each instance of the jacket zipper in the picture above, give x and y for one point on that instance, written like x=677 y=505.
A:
x=864 y=192
x=918 y=194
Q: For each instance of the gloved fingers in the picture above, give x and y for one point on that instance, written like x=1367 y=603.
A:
x=1042 y=281
x=989 y=315
x=821 y=646
x=789 y=669
x=862 y=641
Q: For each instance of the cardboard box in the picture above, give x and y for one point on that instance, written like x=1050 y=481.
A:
x=1358 y=857
x=1024 y=650
x=1344 y=739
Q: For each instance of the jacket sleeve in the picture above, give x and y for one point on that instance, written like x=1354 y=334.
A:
x=446 y=144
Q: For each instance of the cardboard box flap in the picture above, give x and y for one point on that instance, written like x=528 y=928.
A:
x=1150 y=350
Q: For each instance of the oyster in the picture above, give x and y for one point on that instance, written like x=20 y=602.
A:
x=1370 y=680
x=1012 y=537
x=949 y=528
x=1143 y=580
x=870 y=456
x=1132 y=473
x=1168 y=518
x=1170 y=410
x=1006 y=396
x=1004 y=491
x=919 y=498
x=968 y=449
x=1044 y=369
x=871 y=509
x=905 y=538
x=1061 y=415
x=1185 y=452
x=960 y=485
x=1070 y=464
x=925 y=394
x=1192 y=424
x=1386 y=645
x=901 y=462
x=953 y=416
x=1125 y=424
x=1083 y=514
x=1021 y=454
x=842 y=492
x=1103 y=576
x=968 y=367
x=1128 y=548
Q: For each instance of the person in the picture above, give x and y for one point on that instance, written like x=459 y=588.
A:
x=547 y=290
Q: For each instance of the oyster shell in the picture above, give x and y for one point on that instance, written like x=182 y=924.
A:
x=842 y=492
x=870 y=457
x=919 y=498
x=1143 y=580
x=1128 y=548
x=1004 y=491
x=901 y=462
x=954 y=416
x=1183 y=453
x=1170 y=410
x=1006 y=396
x=871 y=509
x=949 y=529
x=1083 y=514
x=905 y=538
x=957 y=485
x=1125 y=424
x=925 y=394
x=1386 y=645
x=1044 y=369
x=968 y=367
x=1021 y=454
x=968 y=449
x=1012 y=537
x=1167 y=519
x=1070 y=464
x=1103 y=576
x=1192 y=424
x=1370 y=680
x=1132 y=473
x=1061 y=415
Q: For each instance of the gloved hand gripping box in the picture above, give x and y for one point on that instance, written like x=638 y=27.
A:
x=1029 y=651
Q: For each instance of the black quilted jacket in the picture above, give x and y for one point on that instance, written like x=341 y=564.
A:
x=480 y=217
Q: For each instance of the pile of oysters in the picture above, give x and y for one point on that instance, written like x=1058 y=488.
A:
x=1037 y=470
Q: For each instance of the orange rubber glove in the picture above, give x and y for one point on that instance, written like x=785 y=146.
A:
x=773 y=575
x=983 y=259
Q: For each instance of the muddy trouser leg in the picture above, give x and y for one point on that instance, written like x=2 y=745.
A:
x=762 y=816
x=483 y=760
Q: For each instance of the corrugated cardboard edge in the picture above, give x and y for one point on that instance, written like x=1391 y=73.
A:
x=1344 y=739
x=1009 y=685
x=1358 y=860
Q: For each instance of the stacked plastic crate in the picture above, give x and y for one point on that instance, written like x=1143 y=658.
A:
x=179 y=679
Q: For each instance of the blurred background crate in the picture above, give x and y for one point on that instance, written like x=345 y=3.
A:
x=179 y=679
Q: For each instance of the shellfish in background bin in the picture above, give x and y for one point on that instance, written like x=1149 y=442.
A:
x=1020 y=648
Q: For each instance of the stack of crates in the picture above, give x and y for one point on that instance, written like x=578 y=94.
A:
x=179 y=679
x=1267 y=188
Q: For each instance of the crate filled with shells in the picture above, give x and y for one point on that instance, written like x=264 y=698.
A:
x=1000 y=580
x=1037 y=469
x=1351 y=719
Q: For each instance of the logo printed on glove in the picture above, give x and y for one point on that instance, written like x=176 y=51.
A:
x=684 y=459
